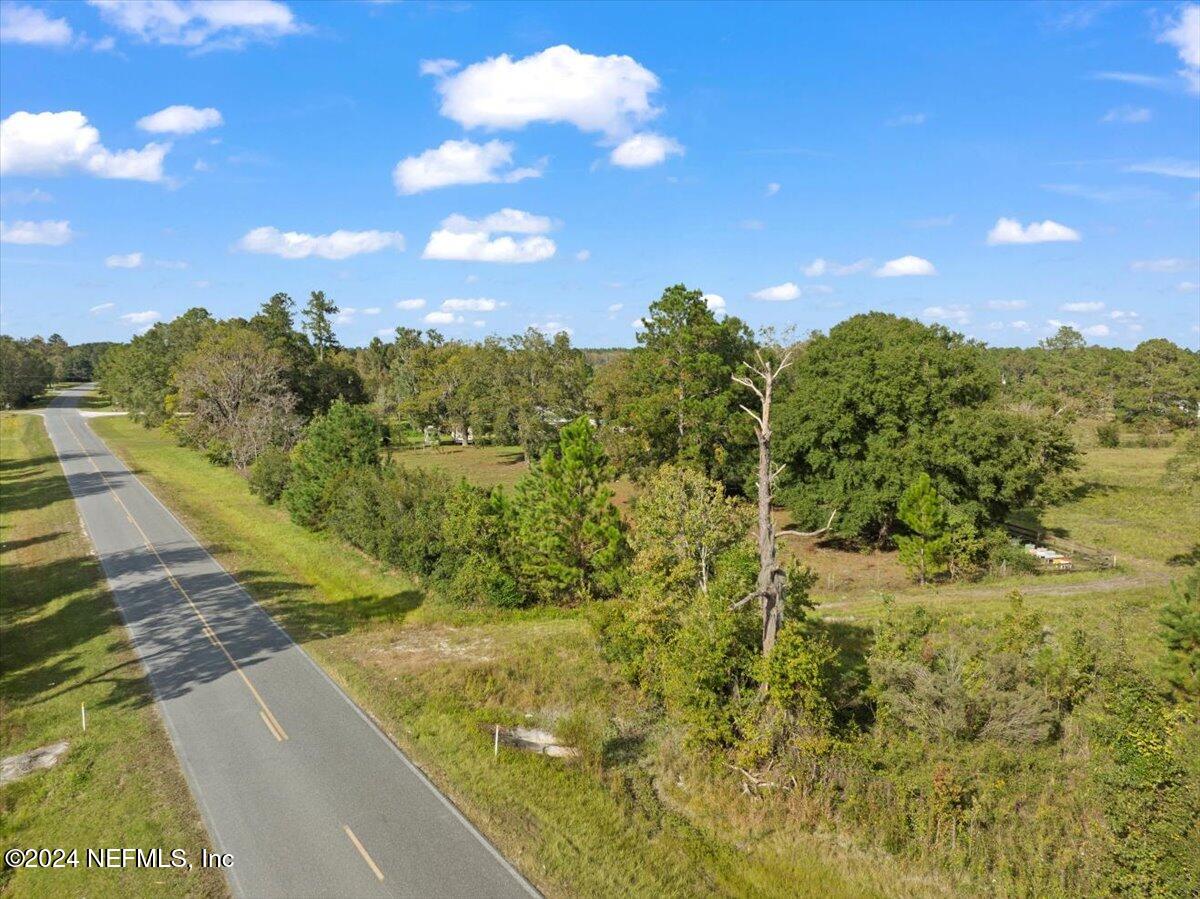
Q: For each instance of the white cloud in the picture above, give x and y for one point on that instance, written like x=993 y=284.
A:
x=1167 y=167
x=438 y=68
x=181 y=120
x=345 y=315
x=715 y=302
x=1168 y=264
x=20 y=24
x=338 y=245
x=1006 y=304
x=614 y=309
x=443 y=318
x=1096 y=331
x=177 y=264
x=1184 y=36
x=410 y=304
x=1010 y=231
x=141 y=318
x=820 y=267
x=905 y=266
x=583 y=255
x=1120 y=315
x=645 y=149
x=202 y=25
x=127 y=260
x=479 y=247
x=511 y=221
x=478 y=322
x=1187 y=287
x=460 y=162
x=51 y=143
x=773 y=188
x=1019 y=325
x=551 y=328
x=912 y=118
x=1087 y=306
x=1126 y=115
x=372 y=310
x=47 y=233
x=605 y=94
x=33 y=195
x=956 y=315
x=101 y=308
x=778 y=293
x=479 y=304
x=1132 y=78
x=386 y=332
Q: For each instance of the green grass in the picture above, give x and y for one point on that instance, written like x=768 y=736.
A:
x=64 y=645
x=437 y=678
x=1122 y=506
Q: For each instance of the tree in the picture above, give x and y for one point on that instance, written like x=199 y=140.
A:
x=565 y=535
x=881 y=399
x=771 y=587
x=233 y=385
x=1065 y=338
x=924 y=551
x=24 y=372
x=1180 y=621
x=672 y=399
x=344 y=438
x=1162 y=383
x=318 y=315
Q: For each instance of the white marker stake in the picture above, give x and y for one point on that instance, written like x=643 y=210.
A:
x=83 y=714
x=496 y=743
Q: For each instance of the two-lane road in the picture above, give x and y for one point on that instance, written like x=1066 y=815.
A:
x=311 y=799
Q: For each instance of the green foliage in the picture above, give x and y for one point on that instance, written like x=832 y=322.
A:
x=926 y=550
x=800 y=674
x=564 y=534
x=1180 y=622
x=24 y=372
x=1108 y=434
x=1161 y=382
x=269 y=475
x=1183 y=469
x=672 y=399
x=345 y=438
x=882 y=399
x=318 y=323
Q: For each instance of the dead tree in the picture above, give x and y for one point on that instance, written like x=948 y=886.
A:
x=771 y=588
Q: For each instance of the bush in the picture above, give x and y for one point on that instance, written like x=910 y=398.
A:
x=269 y=475
x=483 y=580
x=345 y=437
x=1108 y=434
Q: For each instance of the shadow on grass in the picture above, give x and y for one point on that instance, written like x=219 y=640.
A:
x=1187 y=558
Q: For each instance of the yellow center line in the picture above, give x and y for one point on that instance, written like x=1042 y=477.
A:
x=268 y=717
x=363 y=852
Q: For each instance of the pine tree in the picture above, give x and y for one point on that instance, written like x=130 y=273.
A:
x=924 y=513
x=1180 y=622
x=565 y=534
x=318 y=314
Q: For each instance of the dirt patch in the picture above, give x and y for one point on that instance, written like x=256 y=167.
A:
x=14 y=767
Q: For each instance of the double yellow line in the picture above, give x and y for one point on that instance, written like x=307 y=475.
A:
x=268 y=717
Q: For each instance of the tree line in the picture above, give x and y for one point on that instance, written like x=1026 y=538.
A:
x=28 y=367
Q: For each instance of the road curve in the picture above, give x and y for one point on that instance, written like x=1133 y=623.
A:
x=292 y=778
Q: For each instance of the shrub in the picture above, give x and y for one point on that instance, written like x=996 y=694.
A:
x=345 y=437
x=1183 y=468
x=483 y=580
x=1108 y=434
x=1180 y=621
x=269 y=475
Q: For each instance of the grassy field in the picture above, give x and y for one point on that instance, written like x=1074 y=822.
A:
x=436 y=678
x=64 y=646
x=1122 y=506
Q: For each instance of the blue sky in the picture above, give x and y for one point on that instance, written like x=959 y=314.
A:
x=999 y=168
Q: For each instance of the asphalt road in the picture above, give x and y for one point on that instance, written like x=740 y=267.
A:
x=291 y=777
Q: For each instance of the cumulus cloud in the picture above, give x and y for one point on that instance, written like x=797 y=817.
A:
x=1121 y=315
x=438 y=68
x=819 y=267
x=102 y=308
x=715 y=302
x=47 y=233
x=605 y=94
x=777 y=293
x=955 y=315
x=460 y=162
x=478 y=304
x=443 y=318
x=1019 y=325
x=20 y=24
x=1184 y=35
x=410 y=304
x=511 y=221
x=643 y=150
x=1167 y=167
x=1126 y=115
x=126 y=260
x=200 y=25
x=181 y=120
x=905 y=266
x=340 y=244
x=551 y=328
x=1010 y=231
x=372 y=310
x=1167 y=264
x=141 y=318
x=1087 y=306
x=52 y=143
x=1096 y=331
x=1007 y=304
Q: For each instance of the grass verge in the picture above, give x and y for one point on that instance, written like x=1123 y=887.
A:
x=64 y=646
x=436 y=678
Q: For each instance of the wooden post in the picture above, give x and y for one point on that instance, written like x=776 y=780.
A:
x=83 y=715
x=496 y=743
